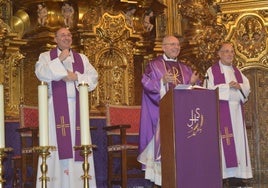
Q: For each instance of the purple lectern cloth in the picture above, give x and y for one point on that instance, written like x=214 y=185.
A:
x=62 y=121
x=197 y=147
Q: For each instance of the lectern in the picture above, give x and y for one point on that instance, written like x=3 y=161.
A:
x=189 y=134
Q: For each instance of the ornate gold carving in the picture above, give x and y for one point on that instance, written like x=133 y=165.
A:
x=112 y=27
x=4 y=29
x=111 y=51
x=262 y=62
x=117 y=79
x=207 y=43
x=91 y=17
x=10 y=63
x=250 y=37
x=247 y=29
x=12 y=80
x=211 y=23
x=232 y=6
x=203 y=34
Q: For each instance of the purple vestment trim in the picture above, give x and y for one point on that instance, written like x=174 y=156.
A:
x=61 y=110
x=225 y=119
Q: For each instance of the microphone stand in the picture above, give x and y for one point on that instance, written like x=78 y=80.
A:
x=242 y=93
x=206 y=80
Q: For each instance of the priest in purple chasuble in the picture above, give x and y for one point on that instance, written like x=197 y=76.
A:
x=161 y=74
x=64 y=69
x=234 y=90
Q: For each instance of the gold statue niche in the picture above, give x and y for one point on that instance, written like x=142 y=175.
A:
x=111 y=51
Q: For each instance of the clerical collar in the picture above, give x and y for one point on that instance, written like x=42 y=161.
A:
x=231 y=65
x=166 y=58
x=61 y=49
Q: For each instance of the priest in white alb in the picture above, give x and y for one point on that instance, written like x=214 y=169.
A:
x=64 y=69
x=234 y=89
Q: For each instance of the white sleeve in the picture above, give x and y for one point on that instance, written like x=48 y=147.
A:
x=47 y=70
x=245 y=88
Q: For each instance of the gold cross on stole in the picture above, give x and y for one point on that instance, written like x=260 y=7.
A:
x=227 y=136
x=62 y=126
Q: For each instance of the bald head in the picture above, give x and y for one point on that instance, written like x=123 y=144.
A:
x=63 y=38
x=171 y=46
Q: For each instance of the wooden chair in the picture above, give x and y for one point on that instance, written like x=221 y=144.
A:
x=27 y=162
x=122 y=124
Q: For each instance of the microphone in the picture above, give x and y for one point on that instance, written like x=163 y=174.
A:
x=206 y=80
x=241 y=91
x=206 y=77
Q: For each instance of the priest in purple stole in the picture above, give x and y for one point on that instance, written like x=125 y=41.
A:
x=234 y=89
x=161 y=74
x=64 y=69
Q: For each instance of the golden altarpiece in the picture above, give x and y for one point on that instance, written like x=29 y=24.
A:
x=119 y=42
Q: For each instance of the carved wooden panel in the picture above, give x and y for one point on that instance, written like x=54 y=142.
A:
x=256 y=110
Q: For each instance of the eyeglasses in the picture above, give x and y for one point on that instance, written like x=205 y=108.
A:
x=63 y=36
x=227 y=51
x=173 y=44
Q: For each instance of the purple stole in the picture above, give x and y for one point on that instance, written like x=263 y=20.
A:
x=61 y=110
x=225 y=118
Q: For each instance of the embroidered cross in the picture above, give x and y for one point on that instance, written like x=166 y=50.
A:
x=176 y=75
x=63 y=126
x=227 y=136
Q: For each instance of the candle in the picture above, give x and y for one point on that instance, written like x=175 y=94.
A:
x=2 y=121
x=84 y=114
x=43 y=114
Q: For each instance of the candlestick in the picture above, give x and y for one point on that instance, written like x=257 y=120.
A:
x=43 y=114
x=44 y=153
x=2 y=117
x=2 y=156
x=84 y=114
x=85 y=151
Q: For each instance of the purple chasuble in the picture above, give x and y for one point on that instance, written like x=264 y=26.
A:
x=150 y=100
x=61 y=110
x=225 y=119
